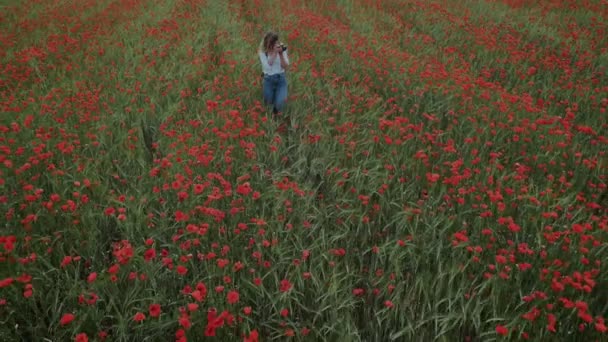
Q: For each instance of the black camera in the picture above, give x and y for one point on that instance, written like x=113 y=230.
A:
x=283 y=47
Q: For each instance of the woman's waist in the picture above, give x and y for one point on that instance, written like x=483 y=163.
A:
x=276 y=74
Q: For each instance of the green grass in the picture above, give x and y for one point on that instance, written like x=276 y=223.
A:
x=407 y=193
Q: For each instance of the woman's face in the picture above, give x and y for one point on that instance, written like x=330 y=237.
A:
x=272 y=45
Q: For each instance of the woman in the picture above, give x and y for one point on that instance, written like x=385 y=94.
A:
x=275 y=61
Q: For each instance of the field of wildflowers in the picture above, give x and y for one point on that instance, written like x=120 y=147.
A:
x=440 y=172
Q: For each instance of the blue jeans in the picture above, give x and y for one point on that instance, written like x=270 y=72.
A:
x=275 y=91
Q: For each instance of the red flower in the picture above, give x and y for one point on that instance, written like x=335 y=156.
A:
x=154 y=310
x=502 y=330
x=202 y=288
x=432 y=177
x=285 y=285
x=91 y=278
x=66 y=261
x=243 y=189
x=28 y=291
x=284 y=312
x=6 y=282
x=232 y=297
x=139 y=317
x=213 y=322
x=209 y=331
x=67 y=319
x=149 y=254
x=184 y=321
x=198 y=295
x=253 y=337
x=114 y=269
x=551 y=325
x=181 y=216
x=181 y=270
x=82 y=337
x=600 y=325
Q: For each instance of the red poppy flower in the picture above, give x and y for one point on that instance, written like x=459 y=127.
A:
x=139 y=317
x=502 y=330
x=285 y=285
x=181 y=270
x=66 y=319
x=82 y=337
x=253 y=337
x=232 y=297
x=154 y=310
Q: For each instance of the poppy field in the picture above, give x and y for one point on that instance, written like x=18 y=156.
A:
x=439 y=174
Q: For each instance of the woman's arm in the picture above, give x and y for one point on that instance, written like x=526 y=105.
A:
x=284 y=60
x=264 y=60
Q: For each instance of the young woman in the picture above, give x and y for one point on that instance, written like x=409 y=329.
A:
x=275 y=61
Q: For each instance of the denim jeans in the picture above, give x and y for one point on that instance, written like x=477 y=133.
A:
x=275 y=91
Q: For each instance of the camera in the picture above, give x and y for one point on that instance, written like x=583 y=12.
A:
x=283 y=47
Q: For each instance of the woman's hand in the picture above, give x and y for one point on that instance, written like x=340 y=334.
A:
x=272 y=55
x=278 y=49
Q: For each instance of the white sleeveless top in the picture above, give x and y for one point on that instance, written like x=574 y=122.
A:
x=275 y=67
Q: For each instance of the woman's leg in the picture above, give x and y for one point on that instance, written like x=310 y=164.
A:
x=280 y=95
x=268 y=90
